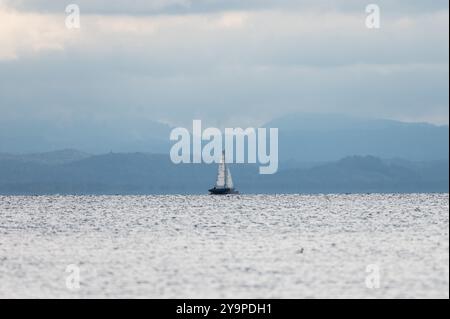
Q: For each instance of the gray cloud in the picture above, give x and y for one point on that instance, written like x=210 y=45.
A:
x=142 y=7
x=176 y=69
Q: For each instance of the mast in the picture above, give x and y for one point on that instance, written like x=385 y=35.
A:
x=225 y=170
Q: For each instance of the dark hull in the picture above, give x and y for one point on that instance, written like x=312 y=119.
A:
x=223 y=191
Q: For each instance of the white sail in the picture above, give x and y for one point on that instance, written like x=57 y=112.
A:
x=221 y=179
x=220 y=182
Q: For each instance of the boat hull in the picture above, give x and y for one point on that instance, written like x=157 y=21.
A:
x=223 y=191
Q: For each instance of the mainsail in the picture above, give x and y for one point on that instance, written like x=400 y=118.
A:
x=220 y=182
x=224 y=179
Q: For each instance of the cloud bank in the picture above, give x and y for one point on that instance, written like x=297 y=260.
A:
x=226 y=62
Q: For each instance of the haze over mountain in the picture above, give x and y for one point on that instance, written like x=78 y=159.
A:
x=85 y=134
x=318 y=137
x=303 y=137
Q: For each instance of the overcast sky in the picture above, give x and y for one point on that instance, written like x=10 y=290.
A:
x=226 y=61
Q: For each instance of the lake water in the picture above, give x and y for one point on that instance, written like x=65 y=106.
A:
x=255 y=246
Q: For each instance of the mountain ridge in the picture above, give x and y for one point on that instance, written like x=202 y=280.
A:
x=144 y=173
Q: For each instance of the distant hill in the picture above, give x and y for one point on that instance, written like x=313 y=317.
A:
x=325 y=137
x=364 y=174
x=55 y=157
x=141 y=173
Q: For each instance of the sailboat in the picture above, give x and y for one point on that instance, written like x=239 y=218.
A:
x=224 y=182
